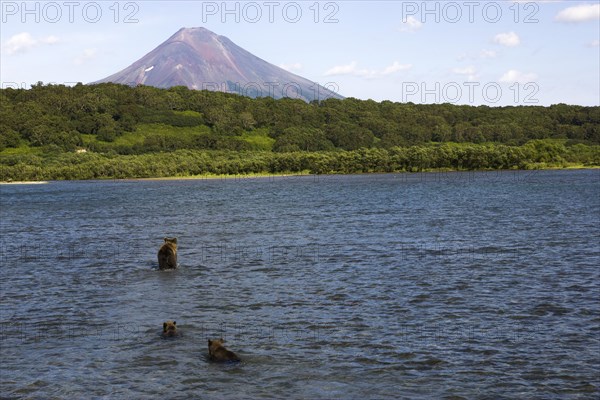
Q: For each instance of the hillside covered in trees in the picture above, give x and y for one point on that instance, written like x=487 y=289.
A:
x=46 y=129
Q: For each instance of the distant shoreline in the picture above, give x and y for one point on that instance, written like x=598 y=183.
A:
x=299 y=174
x=308 y=174
x=224 y=176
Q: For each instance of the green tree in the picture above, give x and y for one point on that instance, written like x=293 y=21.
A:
x=305 y=139
x=348 y=136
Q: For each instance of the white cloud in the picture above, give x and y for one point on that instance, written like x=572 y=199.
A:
x=509 y=39
x=514 y=75
x=580 y=13
x=342 y=69
x=395 y=67
x=488 y=54
x=483 y=54
x=19 y=43
x=464 y=71
x=23 y=42
x=470 y=72
x=351 y=69
x=291 y=67
x=411 y=25
x=86 y=56
x=49 y=40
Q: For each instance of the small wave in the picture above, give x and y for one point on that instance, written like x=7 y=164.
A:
x=337 y=297
x=420 y=298
x=547 y=308
x=427 y=364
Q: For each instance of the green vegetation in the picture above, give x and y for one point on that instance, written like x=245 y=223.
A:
x=114 y=131
x=183 y=163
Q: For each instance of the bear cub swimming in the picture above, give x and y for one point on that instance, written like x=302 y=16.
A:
x=167 y=255
x=217 y=352
x=169 y=329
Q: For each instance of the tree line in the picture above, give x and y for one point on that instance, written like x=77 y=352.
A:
x=182 y=163
x=61 y=116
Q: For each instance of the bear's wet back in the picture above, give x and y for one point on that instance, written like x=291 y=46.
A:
x=217 y=352
x=167 y=255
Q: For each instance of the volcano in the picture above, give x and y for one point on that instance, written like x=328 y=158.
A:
x=202 y=60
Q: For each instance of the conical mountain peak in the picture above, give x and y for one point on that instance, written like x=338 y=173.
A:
x=200 y=59
x=193 y=35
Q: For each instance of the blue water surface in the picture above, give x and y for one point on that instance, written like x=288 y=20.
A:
x=432 y=285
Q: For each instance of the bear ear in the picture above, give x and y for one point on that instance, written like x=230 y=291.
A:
x=166 y=239
x=164 y=326
x=209 y=342
x=174 y=240
x=222 y=340
x=174 y=323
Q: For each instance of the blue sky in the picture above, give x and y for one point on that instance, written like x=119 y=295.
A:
x=464 y=52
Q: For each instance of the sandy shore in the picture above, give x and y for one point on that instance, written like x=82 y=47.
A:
x=24 y=183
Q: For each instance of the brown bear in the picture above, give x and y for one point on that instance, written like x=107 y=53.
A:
x=169 y=329
x=216 y=352
x=167 y=255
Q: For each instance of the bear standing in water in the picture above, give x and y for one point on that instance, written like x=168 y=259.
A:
x=167 y=255
x=217 y=352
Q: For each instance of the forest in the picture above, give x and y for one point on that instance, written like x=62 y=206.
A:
x=116 y=131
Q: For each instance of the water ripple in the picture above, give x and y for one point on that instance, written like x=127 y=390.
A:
x=377 y=286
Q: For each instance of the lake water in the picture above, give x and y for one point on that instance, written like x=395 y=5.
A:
x=434 y=285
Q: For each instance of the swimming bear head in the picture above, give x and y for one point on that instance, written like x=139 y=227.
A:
x=169 y=329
